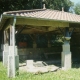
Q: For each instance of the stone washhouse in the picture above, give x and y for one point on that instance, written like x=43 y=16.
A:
x=36 y=34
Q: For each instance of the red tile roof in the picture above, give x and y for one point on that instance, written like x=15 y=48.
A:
x=47 y=14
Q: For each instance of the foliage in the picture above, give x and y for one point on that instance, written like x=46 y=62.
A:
x=8 y=5
x=56 y=4
x=56 y=40
x=77 y=8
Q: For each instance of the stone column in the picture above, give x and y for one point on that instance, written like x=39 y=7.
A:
x=13 y=62
x=66 y=54
x=13 y=58
x=5 y=55
x=5 y=49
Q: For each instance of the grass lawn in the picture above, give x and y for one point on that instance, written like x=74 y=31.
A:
x=72 y=74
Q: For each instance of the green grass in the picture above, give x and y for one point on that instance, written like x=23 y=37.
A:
x=72 y=74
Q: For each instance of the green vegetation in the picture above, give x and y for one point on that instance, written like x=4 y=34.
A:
x=11 y=5
x=77 y=8
x=73 y=74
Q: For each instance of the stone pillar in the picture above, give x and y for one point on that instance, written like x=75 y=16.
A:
x=13 y=62
x=5 y=55
x=1 y=53
x=5 y=49
x=13 y=58
x=66 y=54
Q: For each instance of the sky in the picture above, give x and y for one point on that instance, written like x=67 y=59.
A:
x=75 y=1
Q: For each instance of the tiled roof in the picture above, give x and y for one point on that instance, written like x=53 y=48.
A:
x=47 y=14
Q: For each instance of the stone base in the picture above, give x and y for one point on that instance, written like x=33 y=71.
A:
x=66 y=60
x=5 y=58
x=13 y=65
x=5 y=54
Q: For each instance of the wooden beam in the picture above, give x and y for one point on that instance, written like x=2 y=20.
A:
x=6 y=24
x=21 y=29
x=4 y=37
x=36 y=22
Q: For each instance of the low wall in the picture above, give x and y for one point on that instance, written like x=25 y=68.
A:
x=44 y=53
x=38 y=53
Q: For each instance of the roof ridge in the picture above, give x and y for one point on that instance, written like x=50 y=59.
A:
x=32 y=10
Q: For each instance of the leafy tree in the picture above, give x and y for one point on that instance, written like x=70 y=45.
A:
x=8 y=5
x=77 y=8
x=57 y=4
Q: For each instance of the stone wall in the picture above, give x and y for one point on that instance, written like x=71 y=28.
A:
x=39 y=53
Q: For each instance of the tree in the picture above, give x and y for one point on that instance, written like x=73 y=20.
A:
x=77 y=8
x=8 y=5
x=57 y=4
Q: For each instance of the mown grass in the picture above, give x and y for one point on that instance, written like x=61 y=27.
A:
x=72 y=74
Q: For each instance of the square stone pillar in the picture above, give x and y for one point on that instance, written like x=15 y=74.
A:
x=13 y=58
x=66 y=56
x=5 y=54
x=5 y=48
x=13 y=62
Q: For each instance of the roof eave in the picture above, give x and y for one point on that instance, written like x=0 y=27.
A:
x=9 y=12
x=3 y=16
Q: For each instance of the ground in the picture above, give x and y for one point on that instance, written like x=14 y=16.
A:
x=72 y=74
